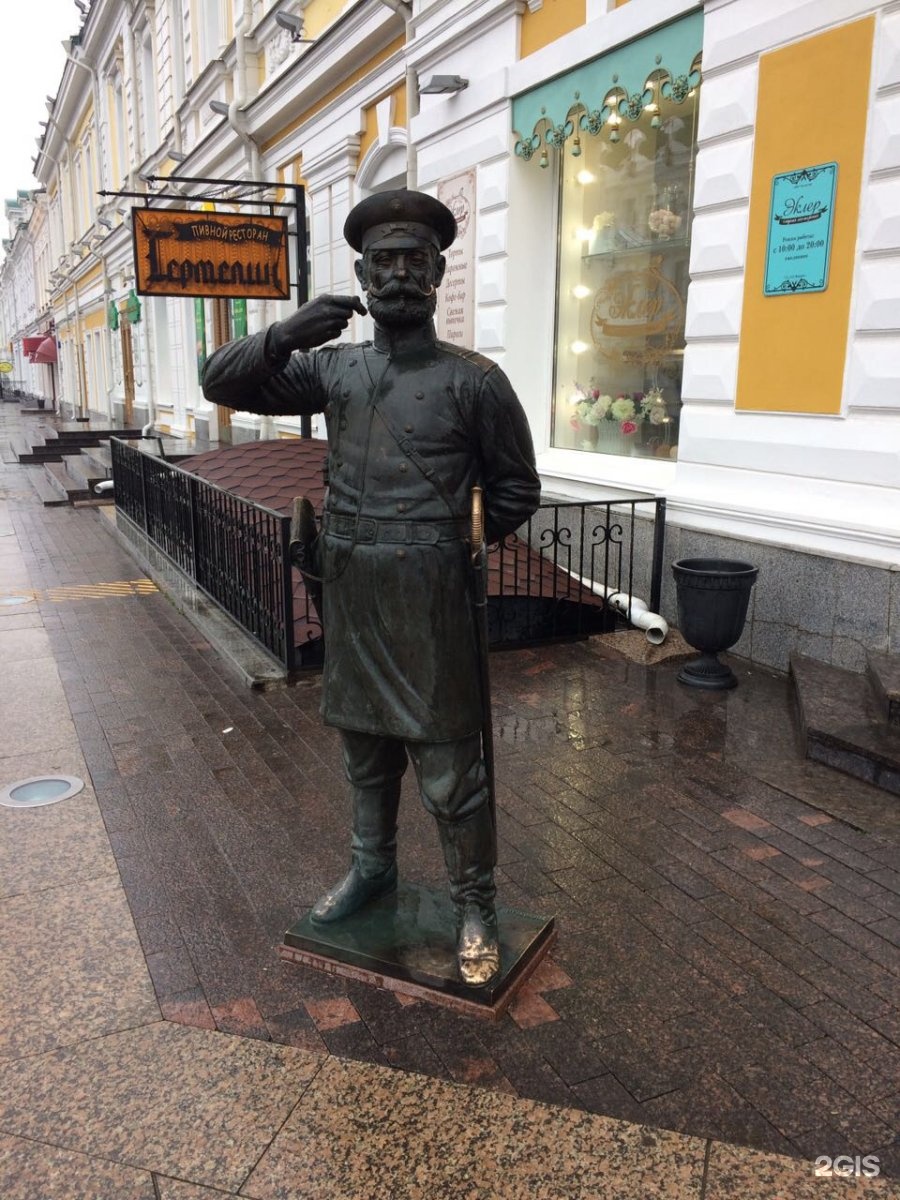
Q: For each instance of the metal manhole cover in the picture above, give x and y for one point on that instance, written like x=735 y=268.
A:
x=39 y=790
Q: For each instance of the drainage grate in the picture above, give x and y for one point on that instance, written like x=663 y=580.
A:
x=40 y=790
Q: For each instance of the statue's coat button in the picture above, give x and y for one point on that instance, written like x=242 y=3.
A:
x=403 y=468
x=420 y=395
x=408 y=428
x=401 y=553
x=401 y=507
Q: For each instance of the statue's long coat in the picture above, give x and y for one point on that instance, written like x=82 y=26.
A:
x=400 y=654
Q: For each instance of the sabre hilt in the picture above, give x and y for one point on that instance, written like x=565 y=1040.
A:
x=303 y=521
x=477 y=519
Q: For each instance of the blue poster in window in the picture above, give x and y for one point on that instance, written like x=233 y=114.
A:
x=801 y=220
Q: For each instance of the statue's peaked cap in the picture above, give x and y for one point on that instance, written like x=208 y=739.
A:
x=389 y=217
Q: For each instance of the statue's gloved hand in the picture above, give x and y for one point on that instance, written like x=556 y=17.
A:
x=318 y=321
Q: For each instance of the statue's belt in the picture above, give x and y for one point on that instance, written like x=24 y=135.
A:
x=368 y=531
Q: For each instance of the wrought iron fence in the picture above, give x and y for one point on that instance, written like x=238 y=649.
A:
x=552 y=579
x=235 y=551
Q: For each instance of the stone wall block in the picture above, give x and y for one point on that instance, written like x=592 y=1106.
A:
x=724 y=172
x=710 y=372
x=492 y=234
x=878 y=303
x=714 y=308
x=719 y=241
x=872 y=373
x=493 y=184
x=728 y=102
x=862 y=604
x=880 y=218
x=492 y=281
x=887 y=54
x=885 y=134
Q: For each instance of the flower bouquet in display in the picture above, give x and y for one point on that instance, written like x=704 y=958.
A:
x=664 y=223
x=605 y=422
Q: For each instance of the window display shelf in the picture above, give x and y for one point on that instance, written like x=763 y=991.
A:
x=655 y=246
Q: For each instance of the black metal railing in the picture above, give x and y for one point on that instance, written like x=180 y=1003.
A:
x=236 y=552
x=551 y=580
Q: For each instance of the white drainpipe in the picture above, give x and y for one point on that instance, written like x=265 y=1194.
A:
x=632 y=608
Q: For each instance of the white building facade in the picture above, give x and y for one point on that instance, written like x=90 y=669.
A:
x=617 y=171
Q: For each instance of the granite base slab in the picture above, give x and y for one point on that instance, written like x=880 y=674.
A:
x=406 y=943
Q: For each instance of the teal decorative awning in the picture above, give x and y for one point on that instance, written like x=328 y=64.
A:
x=619 y=85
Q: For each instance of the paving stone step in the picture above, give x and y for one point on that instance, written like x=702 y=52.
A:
x=25 y=452
x=7 y=454
x=884 y=675
x=100 y=459
x=48 y=494
x=84 y=471
x=843 y=722
x=70 y=488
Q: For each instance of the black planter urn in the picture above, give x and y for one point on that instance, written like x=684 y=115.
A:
x=713 y=595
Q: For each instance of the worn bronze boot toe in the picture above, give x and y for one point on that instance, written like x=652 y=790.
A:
x=478 y=947
x=353 y=892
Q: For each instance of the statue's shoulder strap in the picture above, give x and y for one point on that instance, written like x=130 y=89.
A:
x=472 y=356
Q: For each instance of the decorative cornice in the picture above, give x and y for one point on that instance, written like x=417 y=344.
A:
x=618 y=86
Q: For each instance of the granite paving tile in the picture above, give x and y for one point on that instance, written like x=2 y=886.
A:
x=24 y=645
x=364 y=1131
x=177 y=1189
x=70 y=967
x=736 y=1172
x=32 y=1170
x=195 y=1105
x=33 y=708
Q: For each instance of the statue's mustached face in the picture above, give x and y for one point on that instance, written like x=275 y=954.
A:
x=401 y=284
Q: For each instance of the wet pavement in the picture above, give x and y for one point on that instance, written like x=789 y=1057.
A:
x=727 y=973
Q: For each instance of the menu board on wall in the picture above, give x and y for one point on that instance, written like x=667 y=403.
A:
x=456 y=296
x=801 y=219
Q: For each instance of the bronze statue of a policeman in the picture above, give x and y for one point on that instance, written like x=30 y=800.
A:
x=413 y=424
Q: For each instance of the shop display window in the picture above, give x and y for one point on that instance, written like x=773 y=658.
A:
x=624 y=245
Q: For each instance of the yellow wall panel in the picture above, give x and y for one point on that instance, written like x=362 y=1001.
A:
x=345 y=84
x=551 y=21
x=94 y=320
x=793 y=347
x=319 y=14
x=370 y=119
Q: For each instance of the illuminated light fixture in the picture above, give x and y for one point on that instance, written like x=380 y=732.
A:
x=579 y=347
x=576 y=146
x=545 y=161
x=580 y=292
x=584 y=234
x=293 y=24
x=584 y=177
x=442 y=85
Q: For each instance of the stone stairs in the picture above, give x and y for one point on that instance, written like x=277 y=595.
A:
x=850 y=721
x=73 y=457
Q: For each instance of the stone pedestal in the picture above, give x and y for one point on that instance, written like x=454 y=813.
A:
x=406 y=943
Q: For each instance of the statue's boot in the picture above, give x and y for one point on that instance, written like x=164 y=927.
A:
x=373 y=844
x=470 y=854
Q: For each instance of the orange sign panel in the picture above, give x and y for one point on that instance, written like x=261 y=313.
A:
x=181 y=253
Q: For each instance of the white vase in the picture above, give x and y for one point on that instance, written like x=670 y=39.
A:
x=611 y=440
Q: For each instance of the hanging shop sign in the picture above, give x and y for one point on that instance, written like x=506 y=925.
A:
x=456 y=298
x=801 y=220
x=182 y=253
